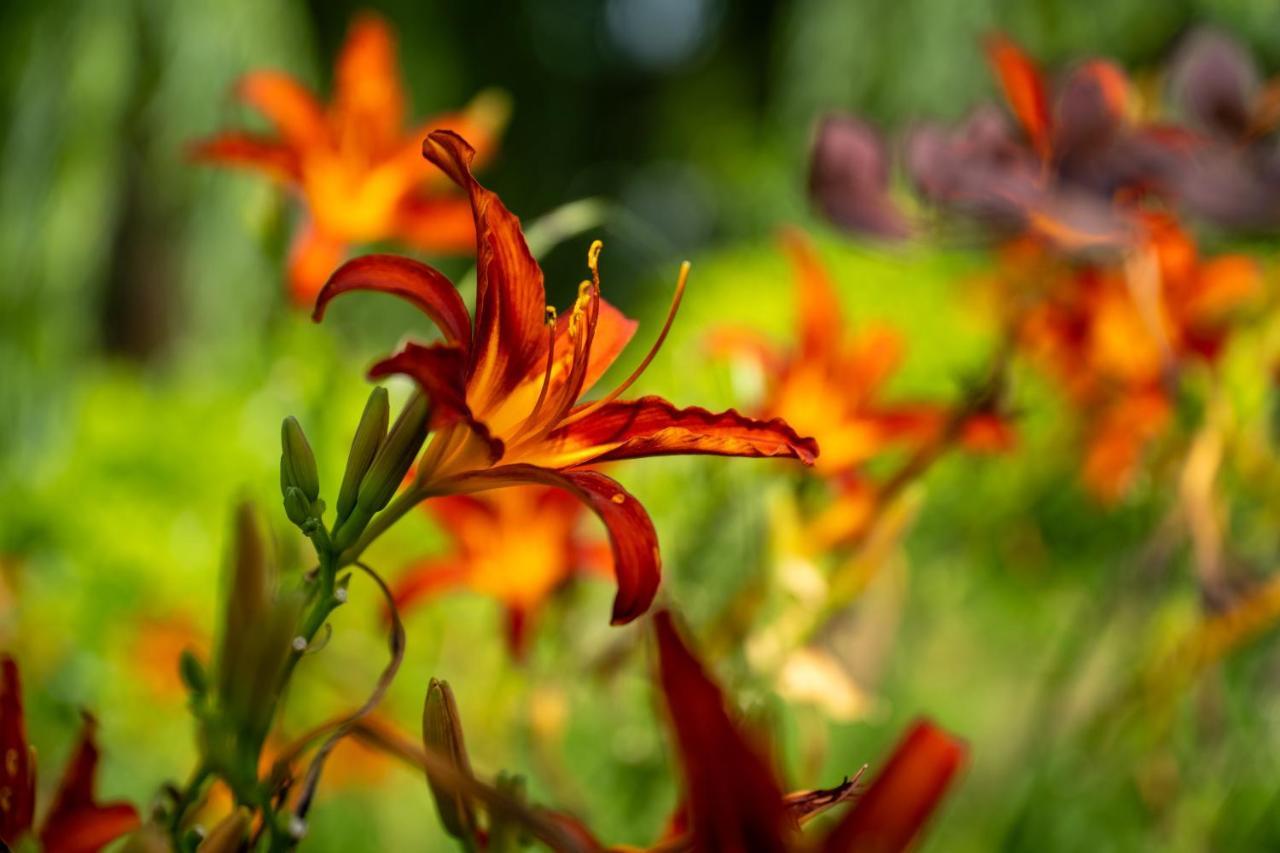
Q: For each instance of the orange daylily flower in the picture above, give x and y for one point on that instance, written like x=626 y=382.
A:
x=1114 y=337
x=734 y=801
x=506 y=390
x=829 y=386
x=76 y=823
x=517 y=545
x=353 y=164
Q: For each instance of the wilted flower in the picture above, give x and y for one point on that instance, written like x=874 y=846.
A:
x=354 y=166
x=517 y=545
x=505 y=394
x=76 y=821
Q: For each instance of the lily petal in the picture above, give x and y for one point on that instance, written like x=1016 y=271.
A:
x=637 y=565
x=440 y=371
x=903 y=795
x=313 y=256
x=652 y=426
x=1024 y=89
x=436 y=223
x=510 y=340
x=246 y=150
x=734 y=800
x=19 y=775
x=297 y=117
x=426 y=578
x=426 y=288
x=817 y=306
x=368 y=101
x=77 y=823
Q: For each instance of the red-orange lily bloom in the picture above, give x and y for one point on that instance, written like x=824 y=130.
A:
x=76 y=823
x=517 y=545
x=829 y=386
x=1114 y=337
x=355 y=167
x=732 y=795
x=505 y=390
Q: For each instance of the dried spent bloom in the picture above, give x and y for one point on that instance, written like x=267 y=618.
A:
x=517 y=545
x=505 y=390
x=354 y=166
x=76 y=821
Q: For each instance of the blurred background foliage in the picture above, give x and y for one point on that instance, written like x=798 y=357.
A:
x=147 y=355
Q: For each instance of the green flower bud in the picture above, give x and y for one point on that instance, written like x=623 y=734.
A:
x=192 y=672
x=395 y=457
x=369 y=436
x=297 y=462
x=442 y=735
x=296 y=506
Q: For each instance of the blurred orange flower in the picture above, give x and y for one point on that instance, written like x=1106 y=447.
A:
x=1115 y=336
x=829 y=385
x=355 y=167
x=505 y=390
x=76 y=821
x=516 y=545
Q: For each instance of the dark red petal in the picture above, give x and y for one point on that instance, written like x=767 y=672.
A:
x=637 y=564
x=415 y=282
x=18 y=773
x=903 y=795
x=76 y=823
x=1216 y=82
x=510 y=336
x=734 y=800
x=849 y=179
x=652 y=426
x=440 y=371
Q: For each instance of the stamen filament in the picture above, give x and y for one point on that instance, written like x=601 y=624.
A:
x=644 y=364
x=551 y=360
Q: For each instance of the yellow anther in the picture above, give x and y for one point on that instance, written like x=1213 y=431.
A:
x=551 y=315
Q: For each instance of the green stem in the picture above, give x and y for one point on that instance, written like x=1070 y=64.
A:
x=187 y=799
x=394 y=511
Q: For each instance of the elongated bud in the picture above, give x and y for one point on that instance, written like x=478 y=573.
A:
x=297 y=462
x=228 y=835
x=148 y=838
x=296 y=506
x=442 y=735
x=508 y=835
x=369 y=436
x=193 y=674
x=395 y=457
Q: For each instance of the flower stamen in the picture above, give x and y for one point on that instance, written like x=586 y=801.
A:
x=644 y=364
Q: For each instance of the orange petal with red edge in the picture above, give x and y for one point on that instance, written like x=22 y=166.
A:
x=1024 y=89
x=637 y=564
x=297 y=117
x=19 y=774
x=510 y=339
x=904 y=794
x=76 y=823
x=652 y=426
x=420 y=285
x=245 y=150
x=734 y=800
x=440 y=371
